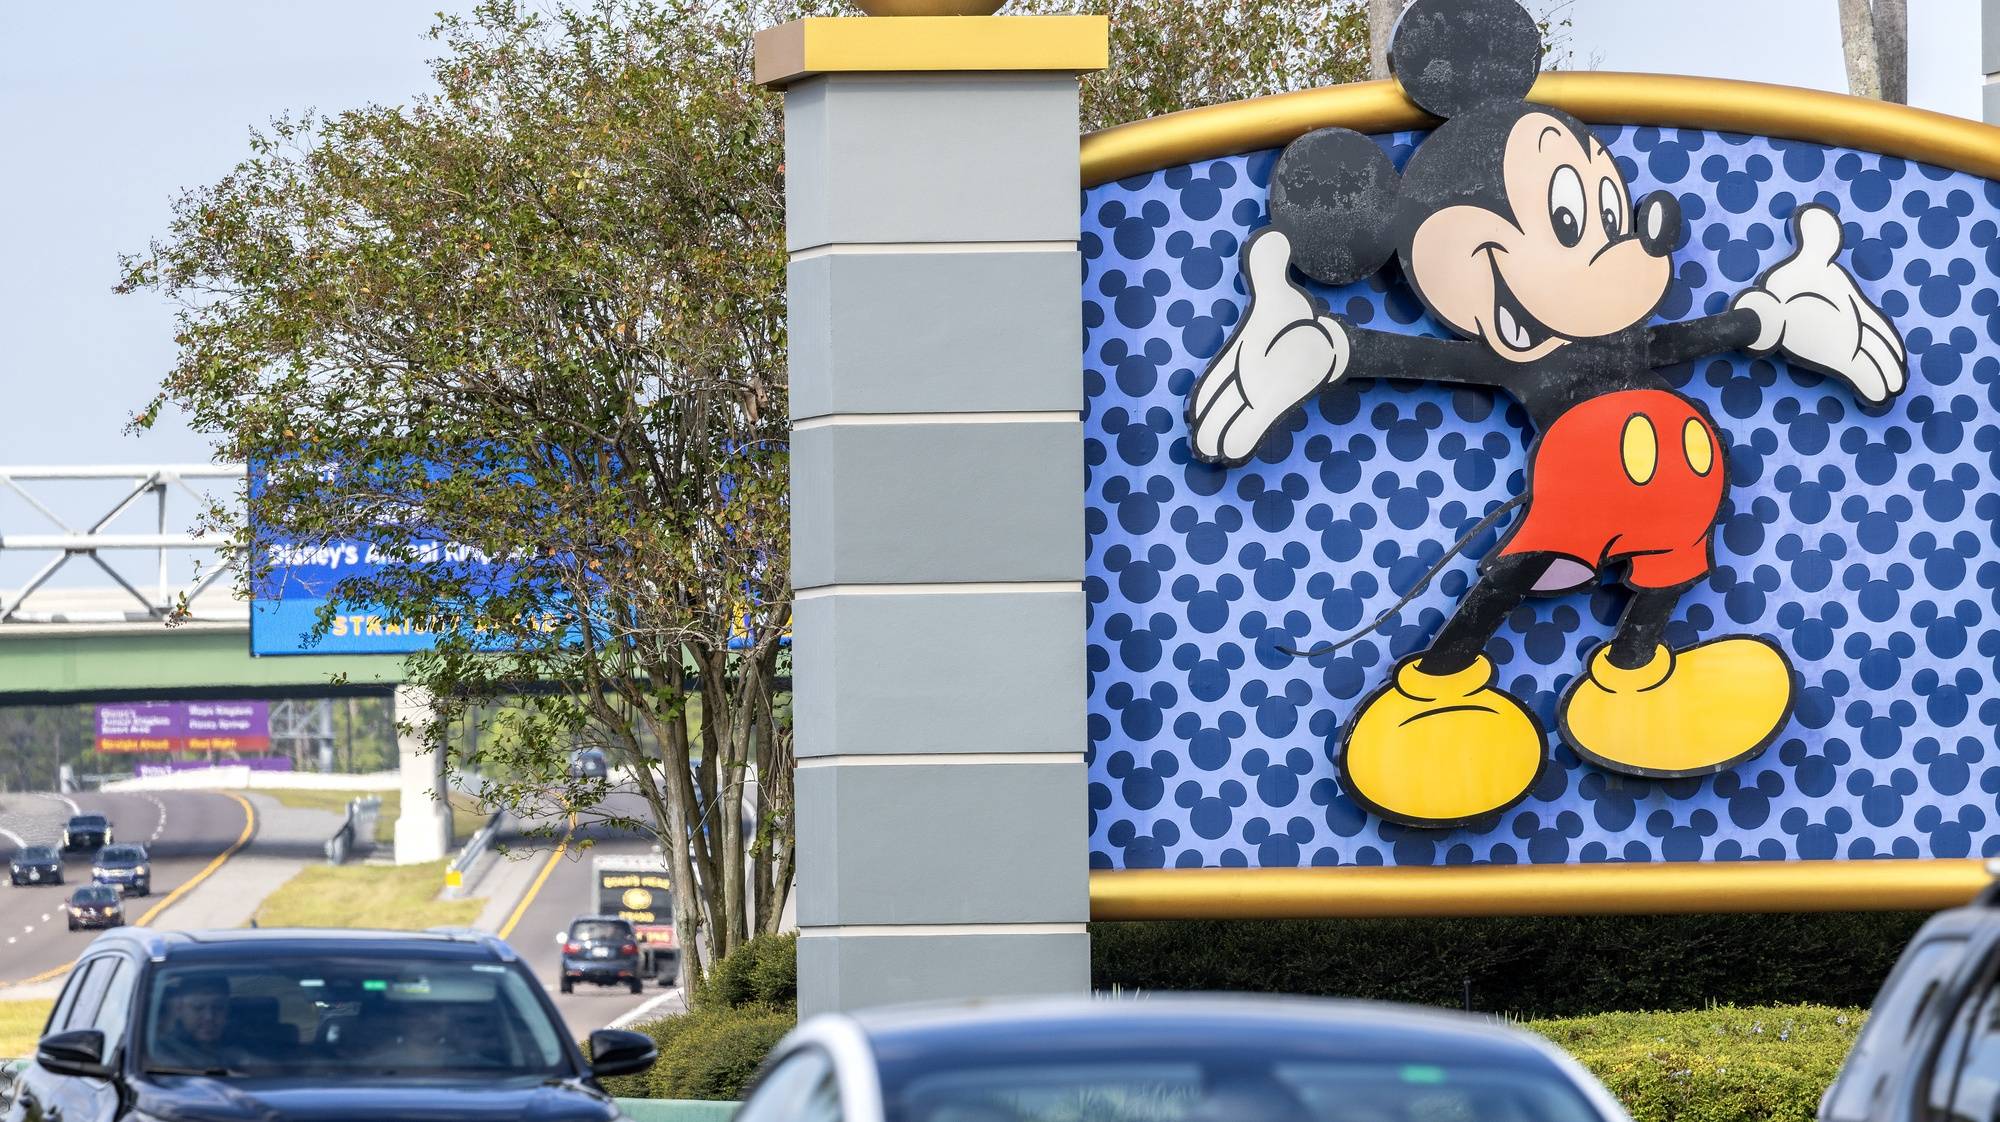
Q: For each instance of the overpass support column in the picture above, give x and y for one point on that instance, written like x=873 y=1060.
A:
x=423 y=824
x=937 y=492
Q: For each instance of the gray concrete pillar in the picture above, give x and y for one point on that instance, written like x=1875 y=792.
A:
x=937 y=503
x=1989 y=38
x=423 y=823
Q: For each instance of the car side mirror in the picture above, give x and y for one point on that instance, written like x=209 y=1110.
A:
x=619 y=1052
x=73 y=1053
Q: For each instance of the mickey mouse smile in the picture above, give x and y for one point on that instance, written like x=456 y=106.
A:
x=1513 y=328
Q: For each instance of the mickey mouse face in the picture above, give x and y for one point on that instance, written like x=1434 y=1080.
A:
x=1514 y=224
x=1559 y=259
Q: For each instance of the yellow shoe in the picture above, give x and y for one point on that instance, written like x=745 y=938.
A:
x=1694 y=712
x=1440 y=749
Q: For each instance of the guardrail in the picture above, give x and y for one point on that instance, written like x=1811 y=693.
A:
x=458 y=876
x=359 y=823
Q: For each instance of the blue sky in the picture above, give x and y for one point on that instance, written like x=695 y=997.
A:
x=107 y=110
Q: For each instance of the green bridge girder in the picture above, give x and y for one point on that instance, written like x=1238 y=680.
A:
x=48 y=666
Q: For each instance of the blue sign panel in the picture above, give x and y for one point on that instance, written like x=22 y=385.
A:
x=1855 y=538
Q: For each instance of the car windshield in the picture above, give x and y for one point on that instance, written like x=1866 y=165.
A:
x=38 y=854
x=119 y=855
x=87 y=822
x=1202 y=1090
x=365 y=1016
x=600 y=931
x=96 y=895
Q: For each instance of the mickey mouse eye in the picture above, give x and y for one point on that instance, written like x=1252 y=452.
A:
x=1610 y=207
x=1566 y=205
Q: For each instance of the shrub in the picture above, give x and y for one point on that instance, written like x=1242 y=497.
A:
x=1531 y=967
x=763 y=971
x=708 y=1053
x=1768 y=1064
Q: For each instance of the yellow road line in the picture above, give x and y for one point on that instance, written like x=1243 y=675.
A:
x=535 y=889
x=243 y=839
x=208 y=870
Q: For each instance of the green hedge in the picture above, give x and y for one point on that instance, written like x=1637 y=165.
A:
x=1768 y=1064
x=763 y=971
x=1525 y=967
x=706 y=1053
x=739 y=1011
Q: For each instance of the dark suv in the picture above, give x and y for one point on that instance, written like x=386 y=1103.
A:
x=36 y=864
x=1931 y=1046
x=280 y=1026
x=125 y=868
x=602 y=950
x=86 y=833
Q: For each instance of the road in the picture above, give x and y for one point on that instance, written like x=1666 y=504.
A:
x=183 y=831
x=565 y=893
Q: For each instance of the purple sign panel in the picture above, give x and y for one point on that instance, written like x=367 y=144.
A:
x=184 y=726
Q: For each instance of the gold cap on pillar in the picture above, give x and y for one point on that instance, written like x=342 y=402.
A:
x=928 y=7
x=916 y=44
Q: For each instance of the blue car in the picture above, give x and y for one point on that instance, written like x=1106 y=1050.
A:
x=124 y=867
x=1171 y=1060
x=312 y=1026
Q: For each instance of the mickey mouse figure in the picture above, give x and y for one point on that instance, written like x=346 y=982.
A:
x=1516 y=229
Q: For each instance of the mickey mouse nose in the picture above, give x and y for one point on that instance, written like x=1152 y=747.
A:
x=1658 y=222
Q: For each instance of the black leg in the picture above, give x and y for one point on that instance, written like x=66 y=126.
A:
x=1500 y=590
x=1639 y=629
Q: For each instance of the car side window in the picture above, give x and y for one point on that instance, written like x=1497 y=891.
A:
x=798 y=1089
x=1976 y=1093
x=114 y=1010
x=1883 y=1052
x=59 y=1015
x=89 y=994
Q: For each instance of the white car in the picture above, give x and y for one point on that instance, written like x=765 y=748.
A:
x=1170 y=1059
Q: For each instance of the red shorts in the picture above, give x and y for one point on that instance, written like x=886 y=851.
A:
x=1633 y=476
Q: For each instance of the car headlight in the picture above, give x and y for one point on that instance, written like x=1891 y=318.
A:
x=143 y=870
x=97 y=871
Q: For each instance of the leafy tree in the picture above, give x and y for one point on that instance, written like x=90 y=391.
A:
x=1169 y=55
x=536 y=314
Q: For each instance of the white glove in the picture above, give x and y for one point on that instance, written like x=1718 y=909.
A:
x=1281 y=354
x=1809 y=308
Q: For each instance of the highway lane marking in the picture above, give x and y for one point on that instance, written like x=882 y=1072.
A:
x=19 y=841
x=243 y=839
x=643 y=1009
x=161 y=827
x=535 y=889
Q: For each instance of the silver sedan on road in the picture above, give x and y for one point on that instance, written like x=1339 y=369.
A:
x=1179 y=1059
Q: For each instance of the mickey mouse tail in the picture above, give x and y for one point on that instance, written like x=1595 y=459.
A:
x=1457 y=547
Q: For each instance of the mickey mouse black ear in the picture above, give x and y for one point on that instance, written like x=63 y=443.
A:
x=1333 y=195
x=1450 y=55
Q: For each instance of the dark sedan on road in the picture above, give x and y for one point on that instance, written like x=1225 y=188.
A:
x=601 y=950
x=95 y=905
x=589 y=763
x=86 y=833
x=124 y=867
x=313 y=1026
x=36 y=864
x=1170 y=1060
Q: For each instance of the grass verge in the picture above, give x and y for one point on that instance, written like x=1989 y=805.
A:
x=395 y=897
x=466 y=817
x=1763 y=1064
x=21 y=1025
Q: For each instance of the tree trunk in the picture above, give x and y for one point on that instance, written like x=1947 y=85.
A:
x=1381 y=23
x=1858 y=46
x=1892 y=49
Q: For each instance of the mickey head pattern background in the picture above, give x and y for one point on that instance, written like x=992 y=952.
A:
x=1863 y=541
